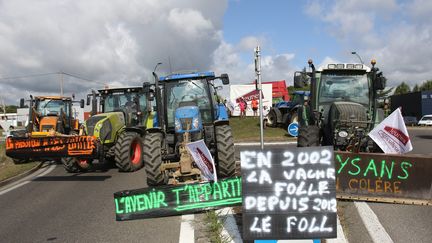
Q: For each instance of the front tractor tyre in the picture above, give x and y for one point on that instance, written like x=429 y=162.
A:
x=75 y=165
x=153 y=160
x=128 y=152
x=225 y=151
x=308 y=136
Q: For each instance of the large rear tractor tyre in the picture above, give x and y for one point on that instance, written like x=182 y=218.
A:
x=153 y=159
x=225 y=152
x=308 y=136
x=128 y=152
x=75 y=165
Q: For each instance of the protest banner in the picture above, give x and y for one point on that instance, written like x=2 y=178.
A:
x=288 y=194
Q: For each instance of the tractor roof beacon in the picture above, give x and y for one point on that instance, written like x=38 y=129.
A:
x=187 y=109
x=343 y=107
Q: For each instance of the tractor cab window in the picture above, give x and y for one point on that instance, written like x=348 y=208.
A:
x=50 y=107
x=188 y=93
x=339 y=87
x=117 y=101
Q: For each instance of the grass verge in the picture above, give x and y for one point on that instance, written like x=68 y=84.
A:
x=8 y=169
x=214 y=225
x=248 y=130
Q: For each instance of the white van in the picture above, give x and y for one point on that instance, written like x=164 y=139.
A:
x=425 y=121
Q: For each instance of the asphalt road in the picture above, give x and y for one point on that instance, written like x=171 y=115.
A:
x=62 y=207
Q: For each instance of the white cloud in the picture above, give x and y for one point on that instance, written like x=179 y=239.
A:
x=113 y=42
x=378 y=29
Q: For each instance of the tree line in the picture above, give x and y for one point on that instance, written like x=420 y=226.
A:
x=404 y=88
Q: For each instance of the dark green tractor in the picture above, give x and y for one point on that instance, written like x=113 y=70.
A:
x=118 y=122
x=343 y=107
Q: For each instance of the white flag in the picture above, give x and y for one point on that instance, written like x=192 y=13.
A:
x=391 y=134
x=203 y=159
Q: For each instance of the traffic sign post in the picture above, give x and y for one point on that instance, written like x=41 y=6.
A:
x=293 y=129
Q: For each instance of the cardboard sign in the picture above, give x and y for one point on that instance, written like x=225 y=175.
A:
x=177 y=199
x=289 y=194
x=375 y=176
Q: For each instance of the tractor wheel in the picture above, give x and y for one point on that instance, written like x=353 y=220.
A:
x=271 y=119
x=308 y=136
x=225 y=151
x=153 y=159
x=128 y=152
x=75 y=165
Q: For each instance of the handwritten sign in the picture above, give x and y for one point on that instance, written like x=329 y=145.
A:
x=373 y=176
x=289 y=194
x=176 y=199
x=52 y=147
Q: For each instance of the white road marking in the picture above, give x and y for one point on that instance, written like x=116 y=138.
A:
x=230 y=230
x=27 y=179
x=268 y=143
x=372 y=224
x=187 y=234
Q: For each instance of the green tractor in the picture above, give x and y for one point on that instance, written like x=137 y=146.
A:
x=119 y=128
x=343 y=107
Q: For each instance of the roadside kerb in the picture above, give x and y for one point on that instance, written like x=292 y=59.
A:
x=20 y=176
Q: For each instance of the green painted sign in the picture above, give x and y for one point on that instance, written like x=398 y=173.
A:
x=177 y=199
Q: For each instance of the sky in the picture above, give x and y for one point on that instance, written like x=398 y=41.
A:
x=118 y=43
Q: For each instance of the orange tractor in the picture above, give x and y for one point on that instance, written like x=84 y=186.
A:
x=51 y=132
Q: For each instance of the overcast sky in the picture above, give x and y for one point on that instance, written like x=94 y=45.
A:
x=119 y=42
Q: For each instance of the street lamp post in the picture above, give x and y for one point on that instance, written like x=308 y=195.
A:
x=355 y=53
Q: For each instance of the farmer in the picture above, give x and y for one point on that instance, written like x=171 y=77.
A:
x=255 y=106
x=243 y=106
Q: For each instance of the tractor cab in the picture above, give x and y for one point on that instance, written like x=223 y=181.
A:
x=113 y=109
x=191 y=103
x=344 y=105
x=51 y=114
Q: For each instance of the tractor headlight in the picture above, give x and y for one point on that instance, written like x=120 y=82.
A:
x=195 y=123
x=177 y=124
x=343 y=134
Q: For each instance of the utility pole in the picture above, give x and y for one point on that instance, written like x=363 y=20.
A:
x=61 y=83
x=258 y=77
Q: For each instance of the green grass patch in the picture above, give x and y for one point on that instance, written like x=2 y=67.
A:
x=214 y=223
x=248 y=130
x=8 y=169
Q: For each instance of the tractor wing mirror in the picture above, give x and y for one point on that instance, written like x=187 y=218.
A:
x=88 y=100
x=225 y=79
x=82 y=103
x=21 y=103
x=146 y=87
x=379 y=82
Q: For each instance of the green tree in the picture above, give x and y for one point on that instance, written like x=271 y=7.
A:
x=403 y=88
x=416 y=88
x=427 y=85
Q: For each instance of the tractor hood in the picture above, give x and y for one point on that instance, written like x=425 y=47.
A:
x=104 y=126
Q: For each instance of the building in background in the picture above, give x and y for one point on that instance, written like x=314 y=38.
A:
x=415 y=104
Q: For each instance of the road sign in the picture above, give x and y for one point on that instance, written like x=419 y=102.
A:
x=293 y=129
